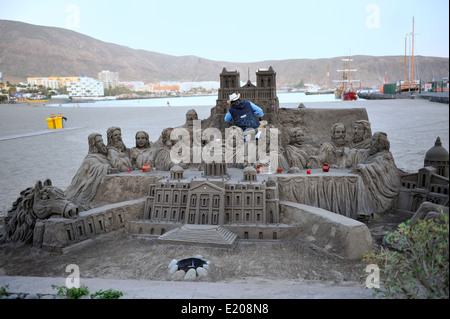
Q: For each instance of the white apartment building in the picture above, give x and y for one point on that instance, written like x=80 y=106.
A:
x=207 y=85
x=54 y=82
x=86 y=87
x=50 y=82
x=109 y=79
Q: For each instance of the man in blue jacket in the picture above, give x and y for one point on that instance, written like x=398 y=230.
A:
x=242 y=112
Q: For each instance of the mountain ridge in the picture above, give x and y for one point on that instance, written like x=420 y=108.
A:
x=31 y=50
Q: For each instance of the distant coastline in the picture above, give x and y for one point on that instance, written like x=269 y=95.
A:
x=79 y=59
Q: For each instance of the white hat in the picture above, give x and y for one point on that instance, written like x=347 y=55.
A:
x=233 y=97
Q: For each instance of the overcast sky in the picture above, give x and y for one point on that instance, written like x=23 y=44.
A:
x=247 y=30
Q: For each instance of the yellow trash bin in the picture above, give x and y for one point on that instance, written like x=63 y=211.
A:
x=58 y=122
x=50 y=123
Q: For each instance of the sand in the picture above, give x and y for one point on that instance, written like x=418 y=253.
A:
x=412 y=127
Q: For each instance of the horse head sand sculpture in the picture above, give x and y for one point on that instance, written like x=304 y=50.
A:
x=39 y=202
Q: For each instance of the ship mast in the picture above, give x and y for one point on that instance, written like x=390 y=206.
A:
x=349 y=70
x=412 y=54
x=405 y=56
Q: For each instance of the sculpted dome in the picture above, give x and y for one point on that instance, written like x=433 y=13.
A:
x=436 y=153
x=177 y=168
x=249 y=169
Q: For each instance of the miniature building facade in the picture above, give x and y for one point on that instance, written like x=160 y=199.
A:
x=209 y=201
x=429 y=184
x=214 y=169
x=437 y=157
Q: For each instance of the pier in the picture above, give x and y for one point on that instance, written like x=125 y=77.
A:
x=441 y=97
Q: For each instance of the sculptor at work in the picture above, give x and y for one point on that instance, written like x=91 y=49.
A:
x=242 y=112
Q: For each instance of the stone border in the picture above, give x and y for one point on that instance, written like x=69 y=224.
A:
x=331 y=232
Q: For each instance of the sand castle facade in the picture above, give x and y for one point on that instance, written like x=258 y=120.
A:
x=429 y=184
x=263 y=94
x=213 y=200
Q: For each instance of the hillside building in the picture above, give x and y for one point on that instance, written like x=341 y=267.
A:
x=166 y=87
x=85 y=87
x=54 y=82
x=110 y=79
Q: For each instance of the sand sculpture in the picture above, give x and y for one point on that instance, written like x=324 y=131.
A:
x=297 y=152
x=362 y=134
x=218 y=202
x=382 y=188
x=333 y=152
x=429 y=184
x=118 y=153
x=86 y=180
x=35 y=203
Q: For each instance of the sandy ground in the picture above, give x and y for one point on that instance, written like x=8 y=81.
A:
x=121 y=256
x=412 y=127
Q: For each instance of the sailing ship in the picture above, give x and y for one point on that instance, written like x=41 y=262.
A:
x=345 y=90
x=409 y=84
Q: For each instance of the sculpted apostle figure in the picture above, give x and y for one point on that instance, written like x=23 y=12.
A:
x=191 y=115
x=161 y=152
x=334 y=152
x=142 y=153
x=380 y=174
x=95 y=165
x=362 y=134
x=362 y=137
x=297 y=152
x=117 y=151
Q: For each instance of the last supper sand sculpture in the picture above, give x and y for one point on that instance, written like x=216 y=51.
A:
x=206 y=186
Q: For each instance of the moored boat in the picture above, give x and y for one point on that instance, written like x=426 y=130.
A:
x=345 y=90
x=349 y=96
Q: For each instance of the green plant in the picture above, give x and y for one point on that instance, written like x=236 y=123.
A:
x=3 y=291
x=418 y=264
x=71 y=293
x=107 y=294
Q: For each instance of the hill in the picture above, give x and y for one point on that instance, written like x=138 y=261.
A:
x=28 y=50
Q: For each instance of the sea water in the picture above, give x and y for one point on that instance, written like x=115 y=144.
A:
x=285 y=100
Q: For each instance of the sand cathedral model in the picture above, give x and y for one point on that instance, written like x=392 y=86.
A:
x=320 y=176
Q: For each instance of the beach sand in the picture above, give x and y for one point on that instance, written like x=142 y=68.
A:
x=412 y=127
